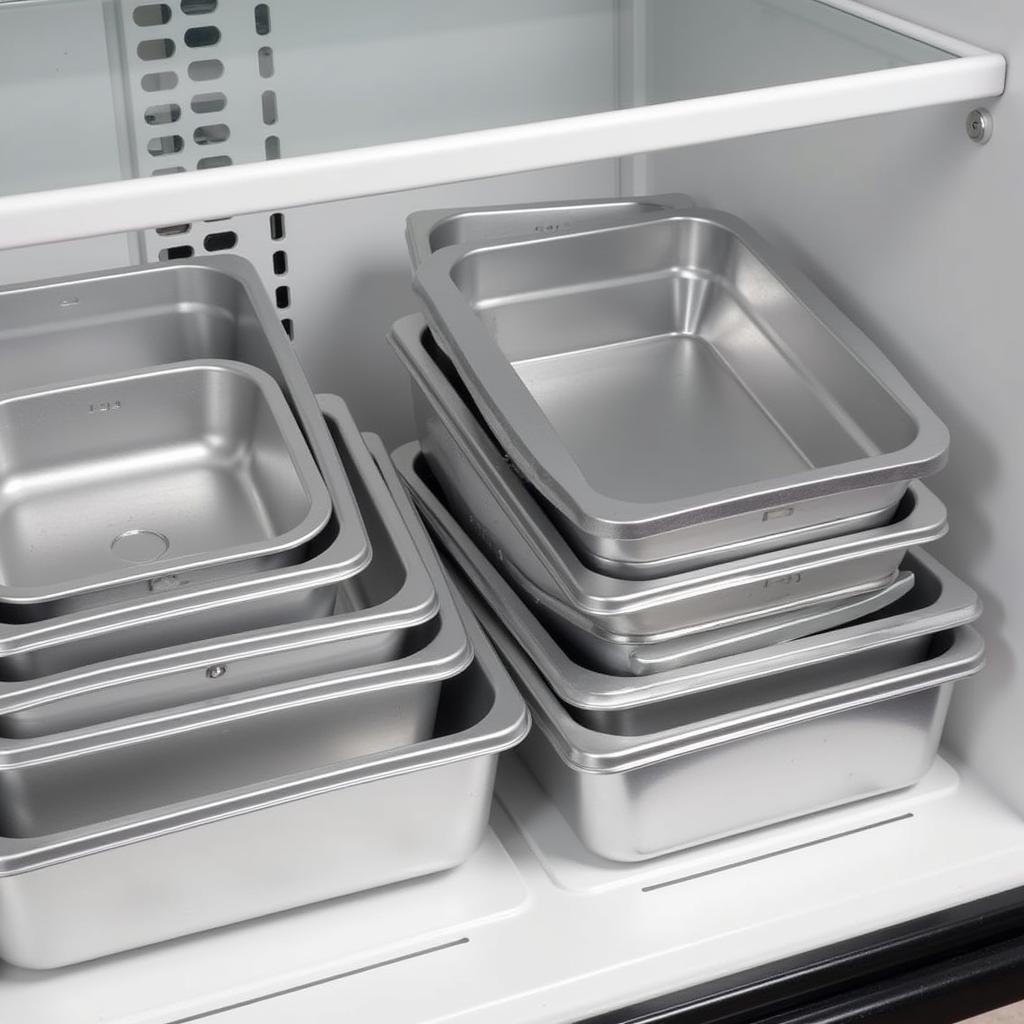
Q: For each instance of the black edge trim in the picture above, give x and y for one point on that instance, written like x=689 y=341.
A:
x=936 y=969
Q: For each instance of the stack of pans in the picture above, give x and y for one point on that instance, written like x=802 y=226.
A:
x=231 y=671
x=686 y=492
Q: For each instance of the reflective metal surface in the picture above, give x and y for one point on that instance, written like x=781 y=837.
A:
x=162 y=471
x=609 y=620
x=669 y=790
x=849 y=715
x=121 y=322
x=888 y=640
x=426 y=231
x=64 y=780
x=647 y=659
x=87 y=884
x=675 y=390
x=386 y=612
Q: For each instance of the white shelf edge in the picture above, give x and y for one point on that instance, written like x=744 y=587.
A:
x=135 y=204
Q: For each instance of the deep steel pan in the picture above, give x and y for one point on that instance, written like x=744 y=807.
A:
x=675 y=390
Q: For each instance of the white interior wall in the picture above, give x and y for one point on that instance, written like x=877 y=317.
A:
x=913 y=230
x=61 y=259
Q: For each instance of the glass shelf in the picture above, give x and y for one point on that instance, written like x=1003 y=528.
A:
x=111 y=107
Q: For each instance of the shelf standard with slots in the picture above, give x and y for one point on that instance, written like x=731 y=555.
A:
x=111 y=109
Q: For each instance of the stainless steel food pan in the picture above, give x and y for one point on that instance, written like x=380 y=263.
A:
x=888 y=641
x=68 y=779
x=121 y=322
x=609 y=619
x=426 y=231
x=632 y=798
x=647 y=659
x=177 y=469
x=84 y=885
x=674 y=388
x=390 y=608
x=177 y=609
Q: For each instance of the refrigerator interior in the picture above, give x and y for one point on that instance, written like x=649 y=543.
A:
x=899 y=217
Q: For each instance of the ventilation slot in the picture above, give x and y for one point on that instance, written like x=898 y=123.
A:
x=211 y=134
x=289 y=327
x=173 y=229
x=209 y=102
x=272 y=147
x=277 y=226
x=283 y=296
x=262 y=14
x=176 y=252
x=280 y=259
x=164 y=145
x=159 y=81
x=208 y=162
x=155 y=49
x=219 y=241
x=167 y=170
x=151 y=15
x=165 y=113
x=265 y=60
x=208 y=35
x=269 y=103
x=198 y=6
x=205 y=70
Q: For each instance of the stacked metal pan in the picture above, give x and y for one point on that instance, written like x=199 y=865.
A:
x=685 y=493
x=231 y=671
